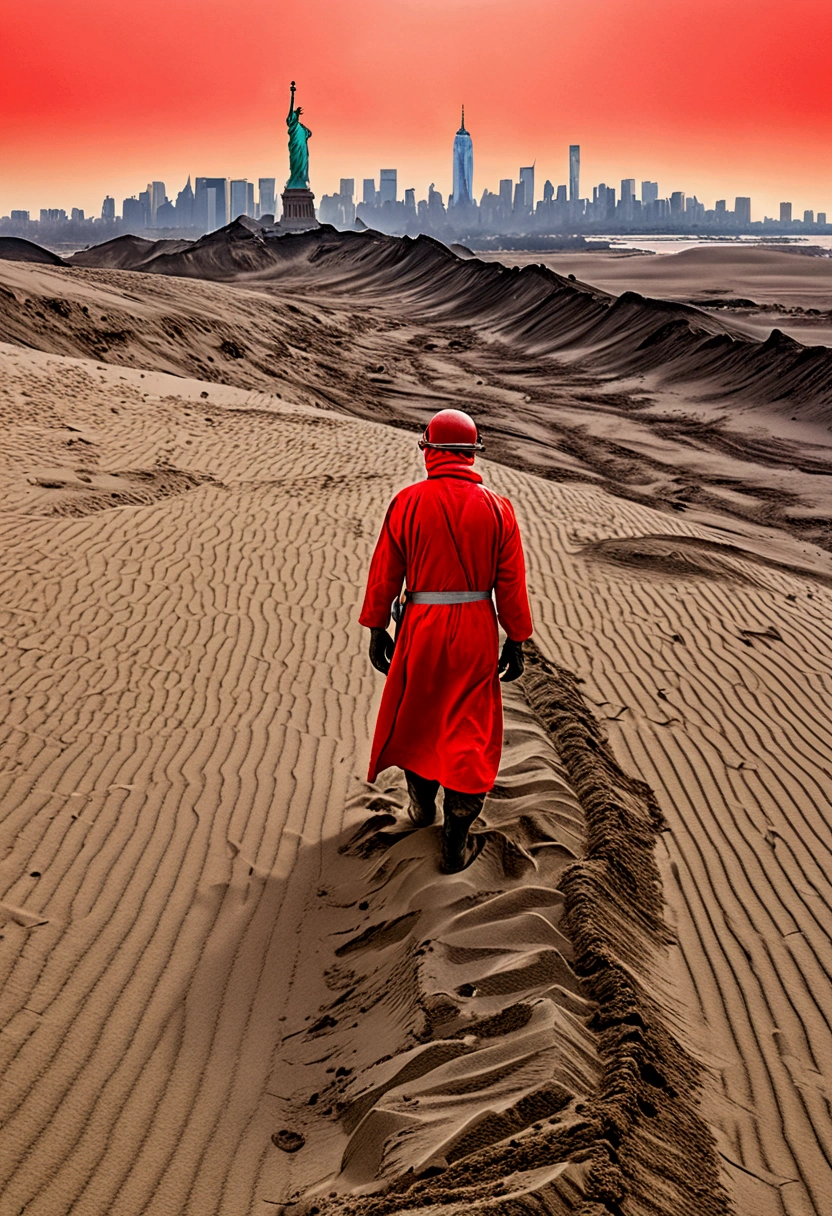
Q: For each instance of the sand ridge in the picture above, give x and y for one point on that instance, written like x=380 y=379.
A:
x=654 y=401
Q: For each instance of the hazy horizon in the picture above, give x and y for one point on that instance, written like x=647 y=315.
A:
x=729 y=101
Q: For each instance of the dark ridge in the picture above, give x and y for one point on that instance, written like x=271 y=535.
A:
x=535 y=310
x=126 y=253
x=17 y=249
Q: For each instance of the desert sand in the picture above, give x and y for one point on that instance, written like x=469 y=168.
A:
x=233 y=980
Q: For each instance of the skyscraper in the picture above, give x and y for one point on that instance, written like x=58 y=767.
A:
x=239 y=199
x=388 y=185
x=368 y=196
x=506 y=187
x=132 y=213
x=108 y=209
x=808 y=217
x=346 y=195
x=185 y=205
x=574 y=172
x=463 y=166
x=677 y=204
x=628 y=198
x=265 y=193
x=527 y=178
x=157 y=197
x=742 y=211
x=785 y=213
x=145 y=197
x=649 y=192
x=211 y=203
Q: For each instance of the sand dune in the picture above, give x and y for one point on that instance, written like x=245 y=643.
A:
x=670 y=437
x=17 y=249
x=199 y=1013
x=547 y=313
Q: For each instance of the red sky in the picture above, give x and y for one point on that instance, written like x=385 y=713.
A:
x=715 y=97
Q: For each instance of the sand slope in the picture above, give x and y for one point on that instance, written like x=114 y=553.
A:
x=395 y=335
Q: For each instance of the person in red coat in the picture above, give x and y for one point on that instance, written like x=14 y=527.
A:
x=453 y=543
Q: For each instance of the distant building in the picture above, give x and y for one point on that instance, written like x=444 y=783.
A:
x=132 y=213
x=649 y=192
x=574 y=172
x=157 y=197
x=785 y=213
x=506 y=190
x=694 y=211
x=519 y=197
x=108 y=210
x=463 y=166
x=144 y=199
x=677 y=204
x=388 y=185
x=52 y=215
x=527 y=178
x=628 y=198
x=560 y=197
x=436 y=208
x=185 y=206
x=239 y=198
x=548 y=192
x=266 y=195
x=211 y=203
x=347 y=196
x=808 y=217
x=410 y=201
x=77 y=215
x=21 y=217
x=368 y=195
x=821 y=219
x=166 y=215
x=742 y=211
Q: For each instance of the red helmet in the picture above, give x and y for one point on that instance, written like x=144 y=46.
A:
x=453 y=431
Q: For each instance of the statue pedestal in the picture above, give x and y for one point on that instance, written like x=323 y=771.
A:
x=298 y=210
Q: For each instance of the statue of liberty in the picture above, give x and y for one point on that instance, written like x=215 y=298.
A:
x=298 y=151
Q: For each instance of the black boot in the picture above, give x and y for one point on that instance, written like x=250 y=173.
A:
x=458 y=850
x=422 y=808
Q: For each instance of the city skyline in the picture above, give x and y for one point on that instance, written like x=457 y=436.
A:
x=730 y=100
x=551 y=206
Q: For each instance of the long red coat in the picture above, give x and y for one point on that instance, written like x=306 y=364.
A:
x=441 y=713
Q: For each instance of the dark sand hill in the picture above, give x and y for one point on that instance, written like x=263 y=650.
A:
x=533 y=308
x=16 y=249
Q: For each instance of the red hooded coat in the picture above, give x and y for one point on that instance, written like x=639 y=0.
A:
x=441 y=713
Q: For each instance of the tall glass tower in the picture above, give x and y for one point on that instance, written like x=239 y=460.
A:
x=463 y=165
x=574 y=172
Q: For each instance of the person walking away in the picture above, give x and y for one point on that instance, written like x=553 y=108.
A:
x=453 y=543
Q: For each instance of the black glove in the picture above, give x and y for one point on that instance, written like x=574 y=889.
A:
x=511 y=662
x=381 y=650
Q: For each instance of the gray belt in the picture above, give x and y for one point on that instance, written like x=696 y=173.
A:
x=447 y=597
